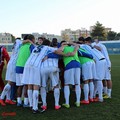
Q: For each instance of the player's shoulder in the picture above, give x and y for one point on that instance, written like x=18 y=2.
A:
x=1 y=46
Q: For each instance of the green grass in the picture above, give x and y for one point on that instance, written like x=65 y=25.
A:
x=108 y=110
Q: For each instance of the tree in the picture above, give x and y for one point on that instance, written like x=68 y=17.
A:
x=99 y=31
x=118 y=36
x=111 y=35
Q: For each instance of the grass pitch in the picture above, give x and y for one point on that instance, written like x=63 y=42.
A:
x=108 y=110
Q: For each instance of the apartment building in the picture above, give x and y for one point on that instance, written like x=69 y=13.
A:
x=5 y=38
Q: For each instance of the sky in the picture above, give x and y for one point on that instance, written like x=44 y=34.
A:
x=52 y=16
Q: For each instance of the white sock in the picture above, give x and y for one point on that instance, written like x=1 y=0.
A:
x=25 y=101
x=95 y=89
x=100 y=88
x=78 y=93
x=56 y=96
x=5 y=91
x=109 y=92
x=30 y=99
x=8 y=95
x=105 y=90
x=19 y=100
x=66 y=94
x=86 y=91
x=91 y=88
x=43 y=95
x=35 y=99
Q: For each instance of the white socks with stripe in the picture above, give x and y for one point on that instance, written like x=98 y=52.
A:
x=78 y=93
x=95 y=88
x=30 y=97
x=8 y=95
x=25 y=101
x=19 y=100
x=100 y=89
x=5 y=91
x=86 y=91
x=57 y=96
x=91 y=88
x=43 y=95
x=35 y=99
x=105 y=90
x=109 y=92
x=66 y=94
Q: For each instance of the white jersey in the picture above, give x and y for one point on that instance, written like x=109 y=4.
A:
x=97 y=55
x=104 y=52
x=38 y=54
x=50 y=62
x=15 y=51
x=100 y=61
x=10 y=72
x=33 y=65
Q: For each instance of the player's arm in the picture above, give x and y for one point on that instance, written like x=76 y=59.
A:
x=59 y=51
x=75 y=50
x=27 y=41
x=72 y=43
x=51 y=55
x=84 y=54
x=97 y=47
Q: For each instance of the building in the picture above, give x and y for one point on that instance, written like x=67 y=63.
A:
x=45 y=35
x=51 y=36
x=73 y=35
x=5 y=38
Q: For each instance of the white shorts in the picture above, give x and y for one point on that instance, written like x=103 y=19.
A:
x=51 y=73
x=100 y=69
x=72 y=76
x=31 y=75
x=10 y=72
x=88 y=71
x=107 y=74
x=19 y=79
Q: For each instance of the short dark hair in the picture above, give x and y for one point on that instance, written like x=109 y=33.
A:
x=29 y=36
x=26 y=37
x=89 y=39
x=62 y=42
x=81 y=39
x=46 y=42
x=18 y=38
x=41 y=38
x=54 y=42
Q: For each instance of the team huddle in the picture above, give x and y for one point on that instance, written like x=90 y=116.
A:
x=35 y=67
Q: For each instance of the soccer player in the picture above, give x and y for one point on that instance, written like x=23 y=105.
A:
x=40 y=40
x=4 y=56
x=107 y=83
x=88 y=74
x=24 y=53
x=10 y=74
x=50 y=70
x=32 y=69
x=72 y=72
x=99 y=64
